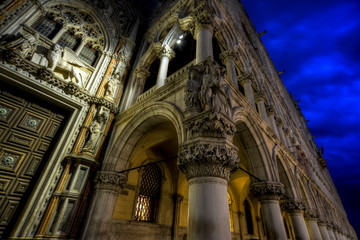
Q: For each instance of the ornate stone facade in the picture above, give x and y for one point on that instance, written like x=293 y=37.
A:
x=94 y=94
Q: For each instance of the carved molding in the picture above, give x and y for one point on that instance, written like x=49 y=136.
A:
x=107 y=180
x=293 y=206
x=210 y=160
x=211 y=124
x=267 y=190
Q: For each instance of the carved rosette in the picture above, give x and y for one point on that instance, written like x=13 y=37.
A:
x=293 y=206
x=112 y=181
x=207 y=160
x=311 y=214
x=267 y=190
x=211 y=124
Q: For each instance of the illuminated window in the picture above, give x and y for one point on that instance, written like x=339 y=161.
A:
x=248 y=217
x=69 y=40
x=88 y=55
x=47 y=27
x=230 y=213
x=148 y=197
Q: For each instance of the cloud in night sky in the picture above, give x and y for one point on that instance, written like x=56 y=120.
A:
x=318 y=44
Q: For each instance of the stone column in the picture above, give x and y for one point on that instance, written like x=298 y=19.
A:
x=59 y=34
x=287 y=137
x=203 y=33
x=331 y=232
x=260 y=102
x=177 y=202
x=141 y=75
x=228 y=58
x=311 y=216
x=269 y=194
x=107 y=188
x=246 y=82
x=271 y=112
x=207 y=167
x=80 y=47
x=279 y=126
x=323 y=230
x=295 y=209
x=165 y=54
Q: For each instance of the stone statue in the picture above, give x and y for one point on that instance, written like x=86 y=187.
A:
x=67 y=61
x=96 y=130
x=111 y=85
x=192 y=89
x=25 y=44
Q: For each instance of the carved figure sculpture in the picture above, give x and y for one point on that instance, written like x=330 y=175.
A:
x=96 y=130
x=111 y=85
x=67 y=61
x=192 y=89
x=25 y=44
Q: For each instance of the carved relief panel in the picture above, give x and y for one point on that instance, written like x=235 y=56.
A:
x=26 y=134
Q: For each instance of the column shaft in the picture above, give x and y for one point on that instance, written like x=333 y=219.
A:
x=204 y=46
x=299 y=226
x=331 y=234
x=273 y=220
x=324 y=232
x=208 y=209
x=273 y=124
x=313 y=229
x=249 y=94
x=281 y=134
x=162 y=74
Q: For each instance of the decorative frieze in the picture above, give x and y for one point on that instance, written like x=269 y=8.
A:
x=107 y=180
x=293 y=206
x=210 y=160
x=267 y=190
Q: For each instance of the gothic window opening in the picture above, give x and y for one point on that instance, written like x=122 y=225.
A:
x=47 y=27
x=69 y=40
x=88 y=55
x=230 y=214
x=149 y=194
x=248 y=217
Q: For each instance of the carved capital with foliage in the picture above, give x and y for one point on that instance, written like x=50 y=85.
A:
x=227 y=55
x=267 y=190
x=293 y=206
x=311 y=214
x=210 y=124
x=207 y=160
x=107 y=180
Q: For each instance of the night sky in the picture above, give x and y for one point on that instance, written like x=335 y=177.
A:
x=317 y=43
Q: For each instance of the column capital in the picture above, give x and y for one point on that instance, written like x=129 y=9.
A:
x=207 y=160
x=267 y=190
x=227 y=55
x=164 y=50
x=278 y=121
x=142 y=72
x=270 y=110
x=259 y=96
x=203 y=21
x=311 y=214
x=286 y=131
x=246 y=78
x=109 y=180
x=293 y=205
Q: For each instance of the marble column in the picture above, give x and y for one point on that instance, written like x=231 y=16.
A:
x=287 y=137
x=311 y=216
x=59 y=34
x=177 y=203
x=295 y=208
x=331 y=232
x=228 y=58
x=241 y=228
x=260 y=102
x=107 y=188
x=207 y=168
x=165 y=54
x=246 y=83
x=270 y=111
x=141 y=75
x=203 y=34
x=323 y=230
x=269 y=194
x=279 y=126
x=80 y=47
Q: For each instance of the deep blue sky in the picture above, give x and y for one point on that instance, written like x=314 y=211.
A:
x=317 y=43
